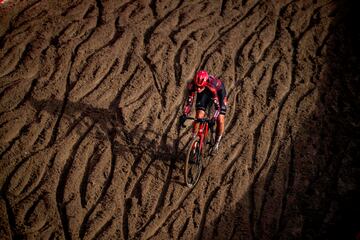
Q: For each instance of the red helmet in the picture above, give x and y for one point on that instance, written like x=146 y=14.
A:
x=201 y=79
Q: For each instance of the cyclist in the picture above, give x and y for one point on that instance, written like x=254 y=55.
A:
x=208 y=88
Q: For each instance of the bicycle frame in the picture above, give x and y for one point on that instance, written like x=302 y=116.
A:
x=195 y=153
x=202 y=131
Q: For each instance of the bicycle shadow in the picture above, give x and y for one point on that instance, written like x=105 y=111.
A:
x=135 y=140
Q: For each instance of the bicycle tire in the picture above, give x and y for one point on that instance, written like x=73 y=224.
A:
x=193 y=163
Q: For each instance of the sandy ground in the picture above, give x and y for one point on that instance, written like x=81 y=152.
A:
x=90 y=94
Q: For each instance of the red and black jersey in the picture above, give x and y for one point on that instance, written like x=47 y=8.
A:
x=213 y=86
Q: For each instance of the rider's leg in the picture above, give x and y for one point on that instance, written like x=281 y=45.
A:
x=199 y=114
x=219 y=130
x=221 y=118
x=220 y=125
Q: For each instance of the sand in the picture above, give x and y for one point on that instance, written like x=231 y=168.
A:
x=91 y=92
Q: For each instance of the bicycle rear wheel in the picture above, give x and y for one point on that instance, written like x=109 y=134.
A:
x=193 y=163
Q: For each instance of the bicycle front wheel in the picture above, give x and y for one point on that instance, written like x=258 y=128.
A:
x=193 y=163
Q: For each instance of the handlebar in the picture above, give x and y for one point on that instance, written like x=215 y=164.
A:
x=199 y=120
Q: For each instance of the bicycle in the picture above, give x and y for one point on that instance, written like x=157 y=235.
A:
x=198 y=151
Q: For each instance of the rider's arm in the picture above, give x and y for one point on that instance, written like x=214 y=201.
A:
x=190 y=99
